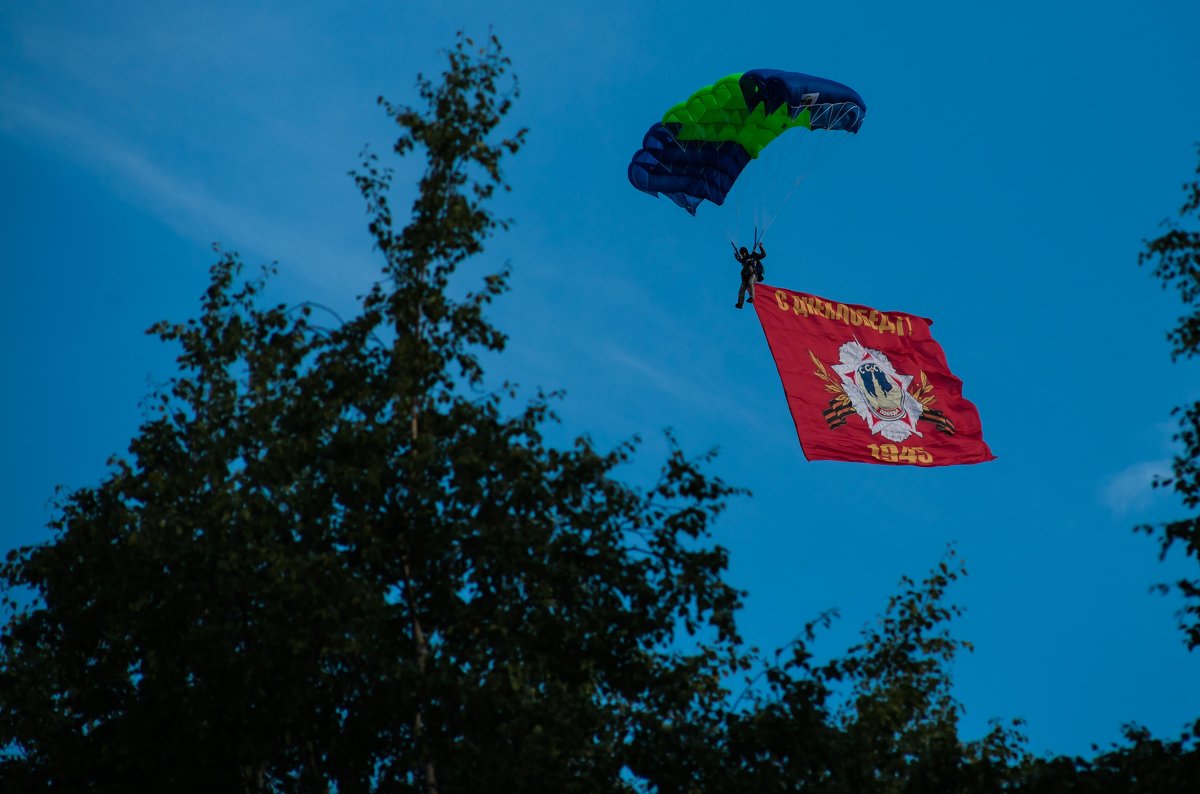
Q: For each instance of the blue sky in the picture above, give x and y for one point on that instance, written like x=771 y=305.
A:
x=1010 y=165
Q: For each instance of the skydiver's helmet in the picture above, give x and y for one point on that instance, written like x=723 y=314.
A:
x=743 y=251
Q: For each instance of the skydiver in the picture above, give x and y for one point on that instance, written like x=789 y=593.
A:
x=752 y=269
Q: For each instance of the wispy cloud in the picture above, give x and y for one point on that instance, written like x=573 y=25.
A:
x=183 y=113
x=680 y=391
x=657 y=376
x=134 y=172
x=1131 y=489
x=186 y=206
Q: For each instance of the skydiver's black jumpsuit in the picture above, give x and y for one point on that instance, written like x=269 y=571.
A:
x=751 y=262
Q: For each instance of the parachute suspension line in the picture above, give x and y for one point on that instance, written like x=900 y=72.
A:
x=826 y=138
x=815 y=146
x=743 y=202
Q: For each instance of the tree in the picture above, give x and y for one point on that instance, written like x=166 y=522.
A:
x=1143 y=765
x=1175 y=255
x=333 y=561
x=881 y=718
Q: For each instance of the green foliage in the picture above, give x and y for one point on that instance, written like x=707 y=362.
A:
x=1176 y=258
x=1143 y=766
x=880 y=719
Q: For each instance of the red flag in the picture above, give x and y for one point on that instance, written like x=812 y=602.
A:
x=865 y=385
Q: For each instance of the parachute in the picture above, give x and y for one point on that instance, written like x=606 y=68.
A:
x=701 y=146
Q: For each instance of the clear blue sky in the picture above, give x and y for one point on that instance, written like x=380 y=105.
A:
x=1011 y=163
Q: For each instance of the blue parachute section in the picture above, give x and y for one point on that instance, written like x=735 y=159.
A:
x=699 y=149
x=831 y=105
x=687 y=172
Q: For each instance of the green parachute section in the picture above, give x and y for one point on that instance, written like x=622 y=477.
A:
x=718 y=113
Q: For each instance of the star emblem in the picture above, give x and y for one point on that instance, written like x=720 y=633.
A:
x=877 y=392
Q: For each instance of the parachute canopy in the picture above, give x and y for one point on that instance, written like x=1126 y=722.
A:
x=700 y=147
